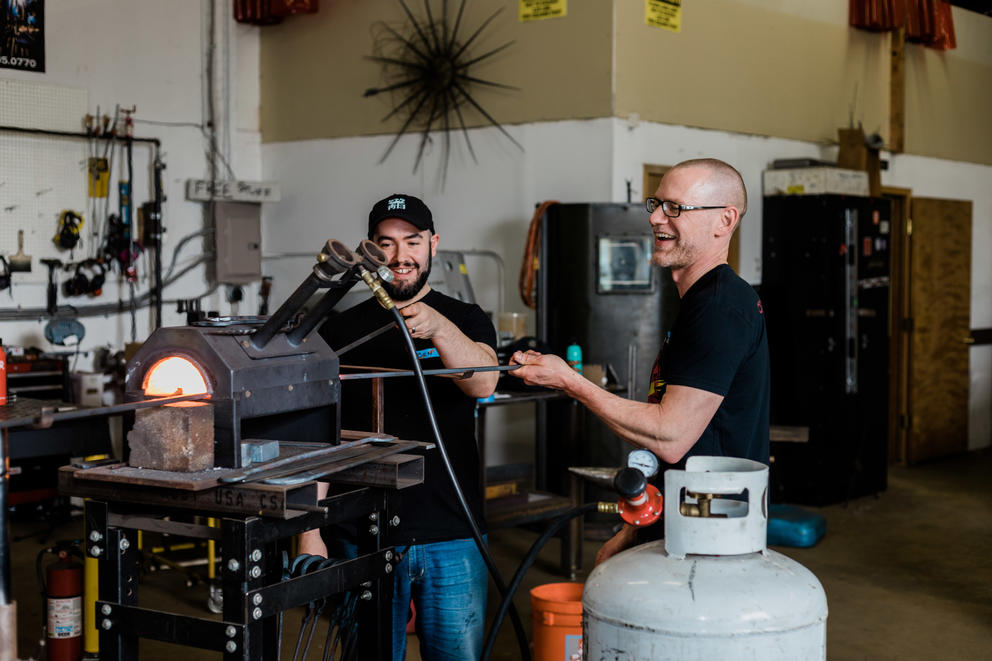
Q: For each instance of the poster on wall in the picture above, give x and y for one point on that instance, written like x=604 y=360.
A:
x=536 y=10
x=665 y=14
x=22 y=35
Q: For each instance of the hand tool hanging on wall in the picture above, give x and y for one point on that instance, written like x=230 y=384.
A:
x=153 y=234
x=53 y=286
x=264 y=291
x=19 y=262
x=124 y=197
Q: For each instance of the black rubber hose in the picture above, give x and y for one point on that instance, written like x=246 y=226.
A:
x=476 y=533
x=525 y=564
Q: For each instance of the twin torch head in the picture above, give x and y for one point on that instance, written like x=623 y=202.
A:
x=368 y=260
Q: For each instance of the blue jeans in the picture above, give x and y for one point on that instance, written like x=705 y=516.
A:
x=447 y=582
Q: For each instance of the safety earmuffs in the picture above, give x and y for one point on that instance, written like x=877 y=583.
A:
x=80 y=285
x=4 y=273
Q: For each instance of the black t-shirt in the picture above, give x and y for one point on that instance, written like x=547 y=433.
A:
x=718 y=344
x=429 y=512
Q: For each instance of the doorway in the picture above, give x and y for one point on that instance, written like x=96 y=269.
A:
x=930 y=322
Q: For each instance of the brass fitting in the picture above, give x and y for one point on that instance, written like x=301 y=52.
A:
x=607 y=508
x=376 y=287
x=701 y=509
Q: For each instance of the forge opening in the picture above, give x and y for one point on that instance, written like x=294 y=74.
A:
x=173 y=376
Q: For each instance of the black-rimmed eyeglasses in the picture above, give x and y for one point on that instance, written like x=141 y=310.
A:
x=673 y=209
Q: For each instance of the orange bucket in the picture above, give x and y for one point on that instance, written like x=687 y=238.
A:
x=556 y=615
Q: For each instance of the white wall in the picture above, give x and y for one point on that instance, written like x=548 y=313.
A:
x=148 y=54
x=329 y=185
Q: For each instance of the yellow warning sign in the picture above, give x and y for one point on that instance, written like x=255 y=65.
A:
x=664 y=14
x=535 y=10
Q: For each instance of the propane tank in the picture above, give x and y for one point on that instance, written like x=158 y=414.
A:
x=711 y=589
x=64 y=605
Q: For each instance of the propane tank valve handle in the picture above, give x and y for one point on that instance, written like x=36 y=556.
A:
x=630 y=483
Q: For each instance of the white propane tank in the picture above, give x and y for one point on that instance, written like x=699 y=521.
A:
x=711 y=589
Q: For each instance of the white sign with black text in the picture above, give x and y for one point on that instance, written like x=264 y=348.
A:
x=204 y=190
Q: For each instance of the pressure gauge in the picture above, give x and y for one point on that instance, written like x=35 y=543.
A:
x=644 y=461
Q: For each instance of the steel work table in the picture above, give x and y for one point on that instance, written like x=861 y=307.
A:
x=257 y=522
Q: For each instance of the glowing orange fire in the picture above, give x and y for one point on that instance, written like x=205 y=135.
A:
x=174 y=376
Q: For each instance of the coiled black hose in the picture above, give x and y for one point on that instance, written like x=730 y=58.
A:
x=476 y=533
x=525 y=564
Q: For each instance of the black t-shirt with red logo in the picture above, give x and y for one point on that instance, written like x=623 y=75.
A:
x=429 y=512
x=718 y=344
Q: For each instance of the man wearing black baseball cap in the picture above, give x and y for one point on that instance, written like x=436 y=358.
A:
x=441 y=569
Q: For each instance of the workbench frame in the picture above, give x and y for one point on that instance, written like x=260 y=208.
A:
x=254 y=594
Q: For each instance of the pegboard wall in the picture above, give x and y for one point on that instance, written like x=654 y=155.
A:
x=41 y=176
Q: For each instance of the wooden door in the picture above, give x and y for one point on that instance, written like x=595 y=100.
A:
x=899 y=331
x=939 y=322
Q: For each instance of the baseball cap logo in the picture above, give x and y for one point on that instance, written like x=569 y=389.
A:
x=396 y=203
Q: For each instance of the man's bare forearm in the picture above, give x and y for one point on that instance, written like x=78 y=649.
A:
x=669 y=428
x=457 y=350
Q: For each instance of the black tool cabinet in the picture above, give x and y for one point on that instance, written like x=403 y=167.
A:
x=825 y=292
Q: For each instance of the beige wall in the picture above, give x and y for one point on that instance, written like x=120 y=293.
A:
x=798 y=71
x=783 y=68
x=949 y=94
x=742 y=67
x=314 y=70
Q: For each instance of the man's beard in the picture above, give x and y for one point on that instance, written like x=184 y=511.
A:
x=400 y=292
x=682 y=256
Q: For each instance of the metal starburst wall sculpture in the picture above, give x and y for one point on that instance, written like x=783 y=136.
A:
x=428 y=70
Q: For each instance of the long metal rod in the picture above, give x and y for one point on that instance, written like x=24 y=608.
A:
x=69 y=134
x=362 y=340
x=325 y=468
x=467 y=371
x=296 y=458
x=49 y=416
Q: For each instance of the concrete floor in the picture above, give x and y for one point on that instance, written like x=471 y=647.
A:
x=908 y=575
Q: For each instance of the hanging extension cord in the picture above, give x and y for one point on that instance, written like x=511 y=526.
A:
x=386 y=302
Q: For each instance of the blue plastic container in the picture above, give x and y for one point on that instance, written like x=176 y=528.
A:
x=793 y=526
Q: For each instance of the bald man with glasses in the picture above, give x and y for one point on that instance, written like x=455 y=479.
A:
x=709 y=387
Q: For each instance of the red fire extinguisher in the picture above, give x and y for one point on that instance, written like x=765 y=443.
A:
x=62 y=594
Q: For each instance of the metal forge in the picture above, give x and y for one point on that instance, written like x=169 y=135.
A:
x=270 y=383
